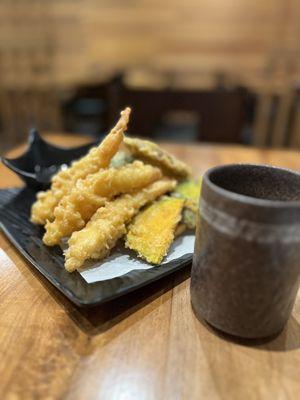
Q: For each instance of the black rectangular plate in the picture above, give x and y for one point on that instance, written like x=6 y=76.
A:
x=15 y=207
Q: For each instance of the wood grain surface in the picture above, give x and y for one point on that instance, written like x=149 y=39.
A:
x=65 y=42
x=146 y=345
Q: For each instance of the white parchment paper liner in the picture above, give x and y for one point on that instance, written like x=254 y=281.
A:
x=121 y=261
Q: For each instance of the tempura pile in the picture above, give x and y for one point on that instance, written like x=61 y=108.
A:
x=107 y=195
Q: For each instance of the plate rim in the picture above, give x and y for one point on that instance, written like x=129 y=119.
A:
x=162 y=270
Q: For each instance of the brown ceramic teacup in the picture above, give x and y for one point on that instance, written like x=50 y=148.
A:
x=246 y=264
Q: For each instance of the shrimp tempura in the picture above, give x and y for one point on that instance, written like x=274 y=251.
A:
x=108 y=224
x=62 y=183
x=76 y=208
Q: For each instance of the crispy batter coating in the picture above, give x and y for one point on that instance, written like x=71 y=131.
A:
x=152 y=231
x=62 y=183
x=121 y=159
x=189 y=215
x=190 y=191
x=76 y=208
x=150 y=152
x=108 y=224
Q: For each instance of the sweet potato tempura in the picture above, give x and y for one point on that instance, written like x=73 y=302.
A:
x=108 y=224
x=62 y=183
x=152 y=231
x=88 y=194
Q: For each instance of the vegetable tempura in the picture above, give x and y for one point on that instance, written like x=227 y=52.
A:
x=153 y=154
x=152 y=231
x=190 y=191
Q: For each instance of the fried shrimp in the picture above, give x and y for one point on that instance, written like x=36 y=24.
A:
x=88 y=194
x=108 y=224
x=153 y=154
x=62 y=183
x=153 y=229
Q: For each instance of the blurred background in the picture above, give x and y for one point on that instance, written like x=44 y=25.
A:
x=194 y=70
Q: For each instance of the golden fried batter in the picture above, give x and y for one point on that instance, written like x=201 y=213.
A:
x=121 y=159
x=108 y=224
x=76 y=208
x=150 y=152
x=62 y=183
x=190 y=191
x=152 y=231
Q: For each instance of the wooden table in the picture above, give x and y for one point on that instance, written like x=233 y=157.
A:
x=146 y=345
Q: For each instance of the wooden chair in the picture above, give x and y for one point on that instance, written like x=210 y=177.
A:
x=278 y=118
x=221 y=112
x=294 y=139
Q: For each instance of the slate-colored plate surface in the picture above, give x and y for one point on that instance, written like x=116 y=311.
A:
x=27 y=238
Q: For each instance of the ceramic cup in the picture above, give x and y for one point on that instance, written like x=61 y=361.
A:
x=246 y=264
